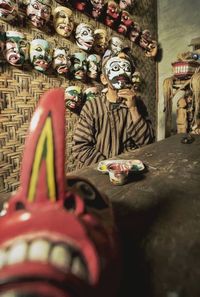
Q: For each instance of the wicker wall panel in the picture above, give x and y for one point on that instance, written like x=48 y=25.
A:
x=20 y=90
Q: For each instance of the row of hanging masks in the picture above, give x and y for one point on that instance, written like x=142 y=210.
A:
x=39 y=13
x=17 y=50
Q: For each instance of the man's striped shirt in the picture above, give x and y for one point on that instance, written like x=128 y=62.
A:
x=104 y=131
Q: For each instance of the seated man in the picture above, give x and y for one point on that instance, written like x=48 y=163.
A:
x=114 y=122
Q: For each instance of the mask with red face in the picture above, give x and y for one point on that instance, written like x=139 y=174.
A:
x=112 y=14
x=57 y=235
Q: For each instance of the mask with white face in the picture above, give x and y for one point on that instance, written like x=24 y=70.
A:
x=118 y=72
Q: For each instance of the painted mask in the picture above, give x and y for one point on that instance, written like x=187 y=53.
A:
x=79 y=66
x=125 y=22
x=112 y=14
x=135 y=32
x=84 y=36
x=61 y=60
x=149 y=45
x=39 y=12
x=100 y=41
x=40 y=54
x=8 y=9
x=16 y=48
x=63 y=21
x=126 y=4
x=90 y=93
x=118 y=71
x=57 y=234
x=145 y=38
x=97 y=7
x=73 y=97
x=93 y=66
x=136 y=79
x=80 y=5
x=116 y=44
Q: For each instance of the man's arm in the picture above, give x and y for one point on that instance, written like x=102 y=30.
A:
x=141 y=129
x=84 y=142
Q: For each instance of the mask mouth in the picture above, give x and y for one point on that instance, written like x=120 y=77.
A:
x=62 y=69
x=6 y=7
x=80 y=74
x=121 y=82
x=73 y=104
x=14 y=58
x=42 y=257
x=41 y=63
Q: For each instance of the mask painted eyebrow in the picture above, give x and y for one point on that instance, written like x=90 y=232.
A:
x=120 y=62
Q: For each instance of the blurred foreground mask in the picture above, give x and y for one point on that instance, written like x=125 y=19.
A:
x=57 y=234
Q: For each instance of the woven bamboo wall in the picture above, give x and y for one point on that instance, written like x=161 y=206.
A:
x=20 y=90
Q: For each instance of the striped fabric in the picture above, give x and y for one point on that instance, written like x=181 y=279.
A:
x=104 y=131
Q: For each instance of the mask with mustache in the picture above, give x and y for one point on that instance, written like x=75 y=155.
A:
x=118 y=72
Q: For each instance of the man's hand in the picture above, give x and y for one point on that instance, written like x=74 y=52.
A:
x=128 y=96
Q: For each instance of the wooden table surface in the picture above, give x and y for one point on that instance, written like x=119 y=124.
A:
x=158 y=217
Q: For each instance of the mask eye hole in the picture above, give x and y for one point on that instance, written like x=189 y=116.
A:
x=70 y=203
x=86 y=190
x=19 y=205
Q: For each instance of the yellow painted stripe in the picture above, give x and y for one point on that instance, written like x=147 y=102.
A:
x=45 y=141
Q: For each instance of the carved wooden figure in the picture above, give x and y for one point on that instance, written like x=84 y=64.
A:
x=181 y=119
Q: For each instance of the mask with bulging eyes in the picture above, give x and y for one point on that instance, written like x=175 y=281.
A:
x=8 y=9
x=118 y=72
x=116 y=45
x=57 y=234
x=93 y=70
x=125 y=23
x=40 y=54
x=84 y=36
x=126 y=4
x=79 y=66
x=39 y=12
x=73 y=97
x=16 y=48
x=90 y=93
x=63 y=21
x=112 y=14
x=61 y=60
x=97 y=8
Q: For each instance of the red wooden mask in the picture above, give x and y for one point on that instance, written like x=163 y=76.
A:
x=57 y=236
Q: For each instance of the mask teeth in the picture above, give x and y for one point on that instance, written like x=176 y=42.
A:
x=58 y=254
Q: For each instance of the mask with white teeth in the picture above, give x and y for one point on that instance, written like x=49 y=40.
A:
x=8 y=9
x=84 y=36
x=57 y=235
x=118 y=72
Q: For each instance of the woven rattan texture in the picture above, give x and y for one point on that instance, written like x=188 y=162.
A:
x=20 y=90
